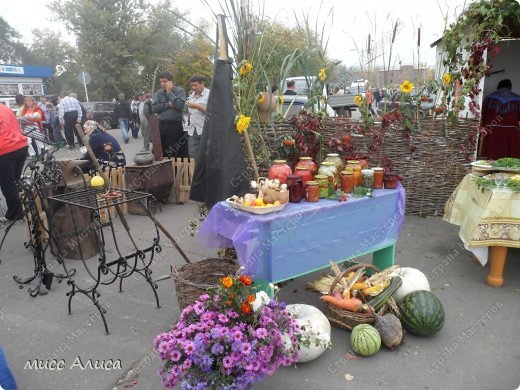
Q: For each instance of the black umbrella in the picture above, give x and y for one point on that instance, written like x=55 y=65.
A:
x=221 y=169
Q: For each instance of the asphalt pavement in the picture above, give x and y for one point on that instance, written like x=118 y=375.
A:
x=478 y=347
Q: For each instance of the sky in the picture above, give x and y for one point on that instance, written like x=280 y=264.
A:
x=347 y=30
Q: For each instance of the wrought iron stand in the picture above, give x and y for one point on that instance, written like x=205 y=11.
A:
x=37 y=175
x=104 y=205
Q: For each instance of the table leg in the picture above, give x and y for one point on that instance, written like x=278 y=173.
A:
x=384 y=258
x=497 y=263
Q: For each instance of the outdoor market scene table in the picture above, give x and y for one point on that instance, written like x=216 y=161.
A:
x=305 y=237
x=488 y=218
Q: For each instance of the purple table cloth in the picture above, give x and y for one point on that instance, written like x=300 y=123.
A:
x=304 y=237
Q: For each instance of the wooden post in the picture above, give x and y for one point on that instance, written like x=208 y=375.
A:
x=90 y=152
x=155 y=136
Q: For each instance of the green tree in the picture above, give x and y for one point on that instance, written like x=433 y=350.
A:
x=12 y=51
x=195 y=57
x=120 y=42
x=49 y=49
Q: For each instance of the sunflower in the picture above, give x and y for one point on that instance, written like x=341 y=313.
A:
x=245 y=68
x=446 y=78
x=358 y=100
x=260 y=98
x=323 y=74
x=406 y=86
x=243 y=123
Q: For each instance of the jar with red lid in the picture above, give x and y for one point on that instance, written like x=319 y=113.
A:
x=307 y=162
x=280 y=170
x=295 y=187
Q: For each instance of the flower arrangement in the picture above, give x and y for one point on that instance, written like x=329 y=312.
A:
x=228 y=339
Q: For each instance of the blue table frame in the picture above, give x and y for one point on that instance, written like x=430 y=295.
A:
x=305 y=237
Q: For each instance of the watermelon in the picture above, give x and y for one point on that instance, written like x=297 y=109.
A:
x=422 y=313
x=365 y=340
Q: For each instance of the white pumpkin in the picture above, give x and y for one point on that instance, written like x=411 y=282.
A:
x=413 y=280
x=316 y=324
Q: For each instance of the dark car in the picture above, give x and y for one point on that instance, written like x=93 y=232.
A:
x=103 y=113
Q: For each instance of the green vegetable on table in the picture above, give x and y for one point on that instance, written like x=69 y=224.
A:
x=359 y=192
x=513 y=185
x=507 y=162
x=490 y=183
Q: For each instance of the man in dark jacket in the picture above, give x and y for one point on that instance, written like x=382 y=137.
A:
x=169 y=105
x=124 y=113
x=104 y=145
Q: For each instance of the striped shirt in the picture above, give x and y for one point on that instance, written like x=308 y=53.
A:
x=69 y=104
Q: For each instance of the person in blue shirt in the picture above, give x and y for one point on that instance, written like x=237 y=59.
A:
x=104 y=146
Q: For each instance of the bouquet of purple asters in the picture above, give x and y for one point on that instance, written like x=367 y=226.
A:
x=229 y=338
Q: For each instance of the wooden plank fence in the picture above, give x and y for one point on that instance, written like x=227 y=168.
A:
x=183 y=170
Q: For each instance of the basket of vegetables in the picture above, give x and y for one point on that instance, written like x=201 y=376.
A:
x=358 y=293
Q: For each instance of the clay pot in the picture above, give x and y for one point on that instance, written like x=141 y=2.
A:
x=144 y=158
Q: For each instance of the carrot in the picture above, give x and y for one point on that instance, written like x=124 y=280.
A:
x=351 y=304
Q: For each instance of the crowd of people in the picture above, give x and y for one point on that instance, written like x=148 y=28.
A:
x=181 y=116
x=181 y=121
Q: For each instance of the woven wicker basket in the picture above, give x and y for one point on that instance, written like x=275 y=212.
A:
x=344 y=318
x=192 y=280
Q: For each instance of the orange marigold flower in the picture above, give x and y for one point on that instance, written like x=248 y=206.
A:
x=246 y=308
x=228 y=303
x=250 y=298
x=245 y=280
x=227 y=282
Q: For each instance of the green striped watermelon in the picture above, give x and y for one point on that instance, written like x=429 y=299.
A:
x=422 y=313
x=365 y=339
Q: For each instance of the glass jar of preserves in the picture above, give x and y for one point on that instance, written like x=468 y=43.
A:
x=313 y=191
x=337 y=160
x=323 y=184
x=280 y=170
x=307 y=162
x=353 y=164
x=367 y=178
x=295 y=187
x=364 y=163
x=379 y=174
x=391 y=180
x=347 y=181
x=304 y=173
x=328 y=169
x=356 y=170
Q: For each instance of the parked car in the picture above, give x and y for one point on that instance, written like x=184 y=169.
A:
x=103 y=113
x=393 y=102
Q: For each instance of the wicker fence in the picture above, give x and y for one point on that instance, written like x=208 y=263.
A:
x=431 y=161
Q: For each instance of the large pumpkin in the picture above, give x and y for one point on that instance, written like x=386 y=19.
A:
x=315 y=325
x=413 y=280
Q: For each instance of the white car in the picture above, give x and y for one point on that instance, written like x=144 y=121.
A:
x=294 y=103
